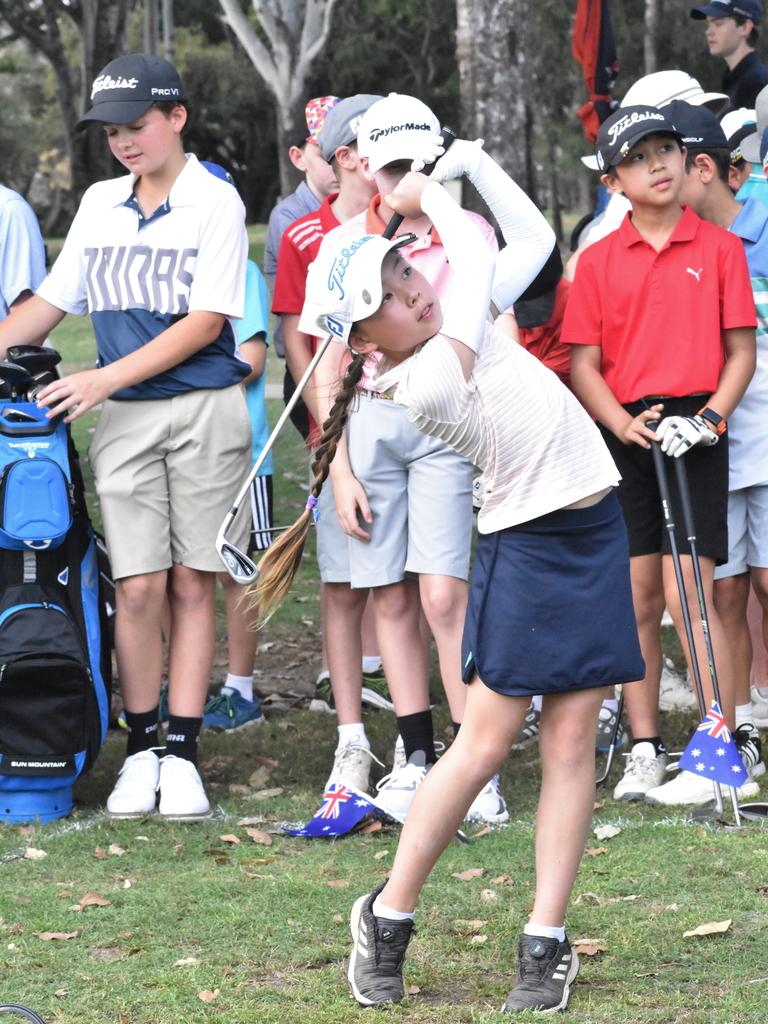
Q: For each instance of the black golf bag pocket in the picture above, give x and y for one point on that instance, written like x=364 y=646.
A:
x=45 y=687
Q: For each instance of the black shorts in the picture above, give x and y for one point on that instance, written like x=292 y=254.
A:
x=707 y=470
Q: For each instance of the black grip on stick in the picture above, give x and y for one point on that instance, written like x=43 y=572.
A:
x=397 y=218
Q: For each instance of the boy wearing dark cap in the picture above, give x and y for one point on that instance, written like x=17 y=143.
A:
x=706 y=191
x=157 y=258
x=661 y=322
x=732 y=34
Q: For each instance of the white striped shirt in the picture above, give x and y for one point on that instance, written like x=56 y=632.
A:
x=538 y=449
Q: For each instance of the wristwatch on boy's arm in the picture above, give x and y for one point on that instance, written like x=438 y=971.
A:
x=714 y=420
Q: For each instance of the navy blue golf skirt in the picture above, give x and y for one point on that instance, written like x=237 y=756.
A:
x=550 y=605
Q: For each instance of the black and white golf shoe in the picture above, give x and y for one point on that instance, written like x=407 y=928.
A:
x=375 y=970
x=545 y=970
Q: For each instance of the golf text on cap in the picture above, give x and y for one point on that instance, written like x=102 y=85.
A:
x=617 y=130
x=338 y=270
x=382 y=133
x=107 y=82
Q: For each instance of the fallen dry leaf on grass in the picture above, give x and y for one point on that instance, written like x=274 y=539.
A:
x=26 y=831
x=488 y=896
x=337 y=918
x=590 y=898
x=266 y=762
x=338 y=883
x=469 y=874
x=380 y=854
x=267 y=794
x=258 y=820
x=230 y=839
x=116 y=851
x=92 y=899
x=595 y=851
x=208 y=996
x=413 y=990
x=32 y=854
x=61 y=992
x=709 y=928
x=56 y=936
x=186 y=961
x=238 y=789
x=598 y=805
x=259 y=778
x=484 y=831
x=606 y=831
x=262 y=838
x=463 y=927
x=503 y=880
x=589 y=947
x=478 y=940
x=99 y=853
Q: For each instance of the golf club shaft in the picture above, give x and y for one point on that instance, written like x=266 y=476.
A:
x=396 y=219
x=666 y=504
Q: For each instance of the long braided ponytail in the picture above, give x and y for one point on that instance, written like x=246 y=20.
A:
x=281 y=561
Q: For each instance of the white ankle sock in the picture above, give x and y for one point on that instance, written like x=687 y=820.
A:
x=243 y=685
x=354 y=733
x=744 y=714
x=545 y=931
x=371 y=663
x=382 y=910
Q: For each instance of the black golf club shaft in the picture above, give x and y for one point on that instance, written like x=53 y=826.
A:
x=396 y=219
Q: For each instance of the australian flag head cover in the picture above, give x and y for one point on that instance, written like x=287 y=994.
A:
x=343 y=809
x=712 y=752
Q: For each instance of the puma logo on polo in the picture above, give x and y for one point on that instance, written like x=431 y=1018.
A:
x=696 y=273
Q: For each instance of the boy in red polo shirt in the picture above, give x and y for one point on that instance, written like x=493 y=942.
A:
x=661 y=322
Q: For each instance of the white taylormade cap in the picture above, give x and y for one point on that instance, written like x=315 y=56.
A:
x=393 y=129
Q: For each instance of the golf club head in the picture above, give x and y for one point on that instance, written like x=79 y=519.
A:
x=39 y=381
x=34 y=358
x=21 y=1011
x=239 y=566
x=757 y=811
x=14 y=374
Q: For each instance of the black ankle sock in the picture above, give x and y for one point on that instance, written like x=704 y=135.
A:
x=456 y=727
x=142 y=730
x=418 y=734
x=657 y=742
x=182 y=737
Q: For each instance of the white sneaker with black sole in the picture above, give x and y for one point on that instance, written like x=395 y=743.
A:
x=759 y=696
x=750 y=748
x=395 y=792
x=135 y=792
x=644 y=770
x=182 y=797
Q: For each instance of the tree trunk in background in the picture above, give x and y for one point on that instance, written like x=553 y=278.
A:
x=492 y=54
x=650 y=61
x=296 y=32
x=168 y=46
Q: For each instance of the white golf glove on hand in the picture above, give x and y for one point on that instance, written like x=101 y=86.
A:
x=432 y=148
x=678 y=434
x=462 y=159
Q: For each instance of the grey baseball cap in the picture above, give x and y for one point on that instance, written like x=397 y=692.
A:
x=128 y=86
x=341 y=123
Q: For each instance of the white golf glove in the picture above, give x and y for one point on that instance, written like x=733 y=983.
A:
x=678 y=434
x=431 y=149
x=462 y=159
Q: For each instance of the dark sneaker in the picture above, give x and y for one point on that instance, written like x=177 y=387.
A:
x=376 y=691
x=376 y=964
x=748 y=742
x=529 y=730
x=545 y=970
x=322 y=698
x=229 y=710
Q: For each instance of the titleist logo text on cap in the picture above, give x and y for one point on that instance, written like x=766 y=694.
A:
x=617 y=130
x=108 y=82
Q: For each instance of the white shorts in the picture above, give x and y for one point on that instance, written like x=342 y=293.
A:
x=420 y=493
x=747 y=531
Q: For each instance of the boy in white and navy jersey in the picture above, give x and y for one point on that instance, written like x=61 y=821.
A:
x=157 y=259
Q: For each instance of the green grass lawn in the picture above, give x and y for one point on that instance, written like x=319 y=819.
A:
x=261 y=930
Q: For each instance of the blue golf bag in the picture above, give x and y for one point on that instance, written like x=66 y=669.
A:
x=55 y=664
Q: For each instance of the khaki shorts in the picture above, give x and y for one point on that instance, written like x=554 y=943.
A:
x=166 y=474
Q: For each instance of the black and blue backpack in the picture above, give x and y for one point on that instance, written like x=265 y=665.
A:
x=55 y=661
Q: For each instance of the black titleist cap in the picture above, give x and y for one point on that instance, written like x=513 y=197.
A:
x=627 y=126
x=698 y=126
x=128 y=86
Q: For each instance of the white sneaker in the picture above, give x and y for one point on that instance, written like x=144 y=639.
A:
x=691 y=790
x=675 y=691
x=135 y=792
x=750 y=749
x=182 y=797
x=644 y=771
x=760 y=706
x=352 y=767
x=395 y=792
x=489 y=805
x=399 y=759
